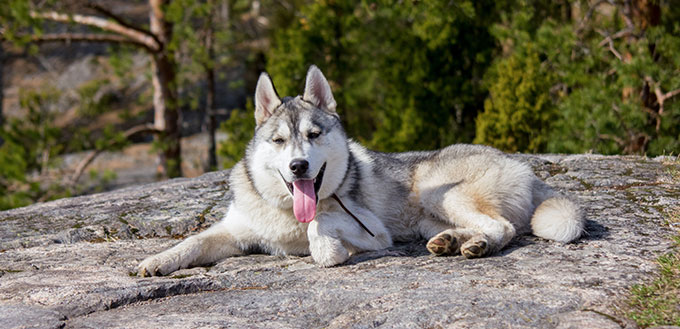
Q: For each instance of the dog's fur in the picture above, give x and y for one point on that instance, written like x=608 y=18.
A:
x=466 y=199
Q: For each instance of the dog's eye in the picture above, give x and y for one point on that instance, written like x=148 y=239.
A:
x=313 y=135
x=278 y=140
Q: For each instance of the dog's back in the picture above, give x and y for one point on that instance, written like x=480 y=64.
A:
x=425 y=193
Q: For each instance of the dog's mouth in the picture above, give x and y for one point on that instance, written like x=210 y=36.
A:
x=305 y=195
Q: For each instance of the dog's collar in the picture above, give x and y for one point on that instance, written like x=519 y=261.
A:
x=335 y=196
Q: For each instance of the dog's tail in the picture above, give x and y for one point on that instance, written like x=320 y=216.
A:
x=556 y=217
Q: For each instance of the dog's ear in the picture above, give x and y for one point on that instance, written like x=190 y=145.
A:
x=318 y=91
x=266 y=99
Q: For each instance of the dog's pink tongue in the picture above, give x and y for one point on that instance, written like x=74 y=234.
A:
x=304 y=200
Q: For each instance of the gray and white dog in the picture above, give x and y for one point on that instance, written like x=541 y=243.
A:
x=301 y=172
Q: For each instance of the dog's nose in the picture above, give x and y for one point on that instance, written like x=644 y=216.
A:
x=299 y=167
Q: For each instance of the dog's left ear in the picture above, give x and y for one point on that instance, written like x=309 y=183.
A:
x=318 y=91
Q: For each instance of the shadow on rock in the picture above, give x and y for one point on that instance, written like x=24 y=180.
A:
x=404 y=249
x=595 y=231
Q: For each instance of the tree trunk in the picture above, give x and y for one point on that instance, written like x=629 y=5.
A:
x=2 y=89
x=211 y=120
x=166 y=116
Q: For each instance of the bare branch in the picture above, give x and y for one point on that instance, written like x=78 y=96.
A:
x=144 y=128
x=85 y=37
x=121 y=21
x=619 y=34
x=661 y=97
x=670 y=94
x=627 y=14
x=616 y=139
x=588 y=15
x=613 y=50
x=104 y=24
x=609 y=41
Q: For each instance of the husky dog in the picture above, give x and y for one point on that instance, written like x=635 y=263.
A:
x=303 y=187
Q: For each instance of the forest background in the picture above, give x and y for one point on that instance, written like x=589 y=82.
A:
x=84 y=82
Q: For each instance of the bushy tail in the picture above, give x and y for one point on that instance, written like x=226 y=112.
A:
x=558 y=218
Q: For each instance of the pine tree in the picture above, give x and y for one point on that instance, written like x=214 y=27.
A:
x=405 y=76
x=518 y=112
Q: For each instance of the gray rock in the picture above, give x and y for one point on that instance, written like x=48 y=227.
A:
x=71 y=263
x=25 y=316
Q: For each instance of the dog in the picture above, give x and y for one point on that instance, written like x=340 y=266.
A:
x=304 y=188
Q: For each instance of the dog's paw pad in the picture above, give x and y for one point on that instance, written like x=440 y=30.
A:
x=474 y=249
x=441 y=244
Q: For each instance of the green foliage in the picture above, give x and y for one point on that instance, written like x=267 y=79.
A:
x=613 y=109
x=30 y=147
x=92 y=101
x=656 y=303
x=518 y=112
x=405 y=76
x=30 y=156
x=104 y=177
x=14 y=16
x=601 y=93
x=239 y=128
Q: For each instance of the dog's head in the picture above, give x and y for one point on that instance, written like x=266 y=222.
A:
x=299 y=154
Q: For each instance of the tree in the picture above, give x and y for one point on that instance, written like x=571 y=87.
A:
x=405 y=76
x=518 y=112
x=519 y=109
x=613 y=84
x=114 y=29
x=2 y=87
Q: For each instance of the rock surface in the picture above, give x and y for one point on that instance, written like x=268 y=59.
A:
x=70 y=263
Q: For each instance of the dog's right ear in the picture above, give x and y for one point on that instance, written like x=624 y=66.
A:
x=266 y=99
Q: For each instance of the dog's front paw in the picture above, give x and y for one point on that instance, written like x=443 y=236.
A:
x=328 y=251
x=328 y=260
x=159 y=264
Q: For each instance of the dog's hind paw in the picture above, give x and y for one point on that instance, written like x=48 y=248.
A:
x=443 y=244
x=474 y=248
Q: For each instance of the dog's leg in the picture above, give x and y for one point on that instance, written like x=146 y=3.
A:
x=481 y=230
x=449 y=241
x=333 y=235
x=440 y=236
x=217 y=242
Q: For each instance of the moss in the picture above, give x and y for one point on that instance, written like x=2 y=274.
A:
x=201 y=216
x=673 y=170
x=628 y=172
x=168 y=229
x=658 y=303
x=9 y=218
x=556 y=169
x=585 y=184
